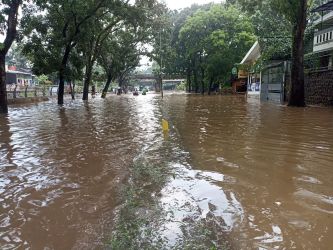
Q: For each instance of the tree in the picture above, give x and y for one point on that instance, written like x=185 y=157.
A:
x=281 y=29
x=16 y=58
x=56 y=31
x=79 y=28
x=168 y=47
x=158 y=32
x=118 y=57
x=98 y=29
x=43 y=80
x=249 y=6
x=214 y=40
x=9 y=21
x=295 y=12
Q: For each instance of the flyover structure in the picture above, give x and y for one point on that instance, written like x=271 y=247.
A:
x=152 y=82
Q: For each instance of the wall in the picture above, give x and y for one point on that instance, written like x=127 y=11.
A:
x=10 y=78
x=27 y=100
x=319 y=88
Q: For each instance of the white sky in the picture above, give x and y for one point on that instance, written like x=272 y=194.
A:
x=178 y=4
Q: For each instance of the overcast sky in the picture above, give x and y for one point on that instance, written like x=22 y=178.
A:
x=178 y=4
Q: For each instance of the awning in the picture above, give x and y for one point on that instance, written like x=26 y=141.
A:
x=253 y=54
x=325 y=7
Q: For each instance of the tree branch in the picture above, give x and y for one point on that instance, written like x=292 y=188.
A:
x=11 y=24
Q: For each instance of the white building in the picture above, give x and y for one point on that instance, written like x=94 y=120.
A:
x=323 y=37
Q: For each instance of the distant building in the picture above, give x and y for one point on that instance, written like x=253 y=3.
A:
x=238 y=80
x=21 y=77
x=253 y=76
x=323 y=37
x=319 y=64
x=245 y=78
x=268 y=81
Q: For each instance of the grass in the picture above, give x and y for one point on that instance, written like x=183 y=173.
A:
x=134 y=228
x=141 y=215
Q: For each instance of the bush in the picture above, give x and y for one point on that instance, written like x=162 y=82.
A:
x=181 y=86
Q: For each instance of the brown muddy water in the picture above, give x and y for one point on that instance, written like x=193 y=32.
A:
x=261 y=173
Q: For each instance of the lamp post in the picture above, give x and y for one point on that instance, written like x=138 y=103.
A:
x=161 y=62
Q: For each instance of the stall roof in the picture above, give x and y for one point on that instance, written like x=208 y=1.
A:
x=325 y=7
x=253 y=54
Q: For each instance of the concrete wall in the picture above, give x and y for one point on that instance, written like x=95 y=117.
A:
x=319 y=88
x=27 y=100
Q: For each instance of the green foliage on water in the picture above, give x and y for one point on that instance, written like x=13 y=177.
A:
x=134 y=229
x=141 y=216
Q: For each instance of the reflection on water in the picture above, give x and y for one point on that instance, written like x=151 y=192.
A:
x=276 y=161
x=193 y=196
x=262 y=173
x=60 y=169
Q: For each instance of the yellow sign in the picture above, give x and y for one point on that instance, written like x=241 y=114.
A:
x=165 y=125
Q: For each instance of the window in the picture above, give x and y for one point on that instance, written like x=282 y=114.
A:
x=317 y=39
x=331 y=35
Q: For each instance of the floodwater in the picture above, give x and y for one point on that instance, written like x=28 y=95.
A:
x=261 y=173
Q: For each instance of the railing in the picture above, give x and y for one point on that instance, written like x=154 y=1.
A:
x=317 y=61
x=323 y=39
x=15 y=91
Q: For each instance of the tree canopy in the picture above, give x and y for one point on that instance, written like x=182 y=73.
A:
x=205 y=42
x=72 y=39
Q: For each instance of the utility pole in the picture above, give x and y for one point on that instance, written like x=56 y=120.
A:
x=161 y=62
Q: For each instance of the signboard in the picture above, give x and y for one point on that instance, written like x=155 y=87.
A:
x=242 y=74
x=253 y=88
x=234 y=71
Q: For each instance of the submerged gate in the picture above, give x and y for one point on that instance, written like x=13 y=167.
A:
x=275 y=80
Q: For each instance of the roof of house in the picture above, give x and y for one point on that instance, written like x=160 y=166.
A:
x=325 y=7
x=253 y=54
x=20 y=71
x=326 y=19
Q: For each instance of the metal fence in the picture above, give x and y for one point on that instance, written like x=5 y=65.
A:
x=15 y=91
x=275 y=80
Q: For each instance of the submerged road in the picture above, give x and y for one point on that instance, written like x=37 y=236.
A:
x=259 y=175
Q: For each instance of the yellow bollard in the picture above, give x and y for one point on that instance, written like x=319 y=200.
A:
x=165 y=125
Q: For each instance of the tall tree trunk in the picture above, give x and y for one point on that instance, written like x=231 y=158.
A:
x=195 y=79
x=120 y=82
x=3 y=91
x=189 y=83
x=87 y=81
x=107 y=85
x=296 y=97
x=72 y=86
x=210 y=85
x=158 y=83
x=202 y=81
x=11 y=22
x=62 y=70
